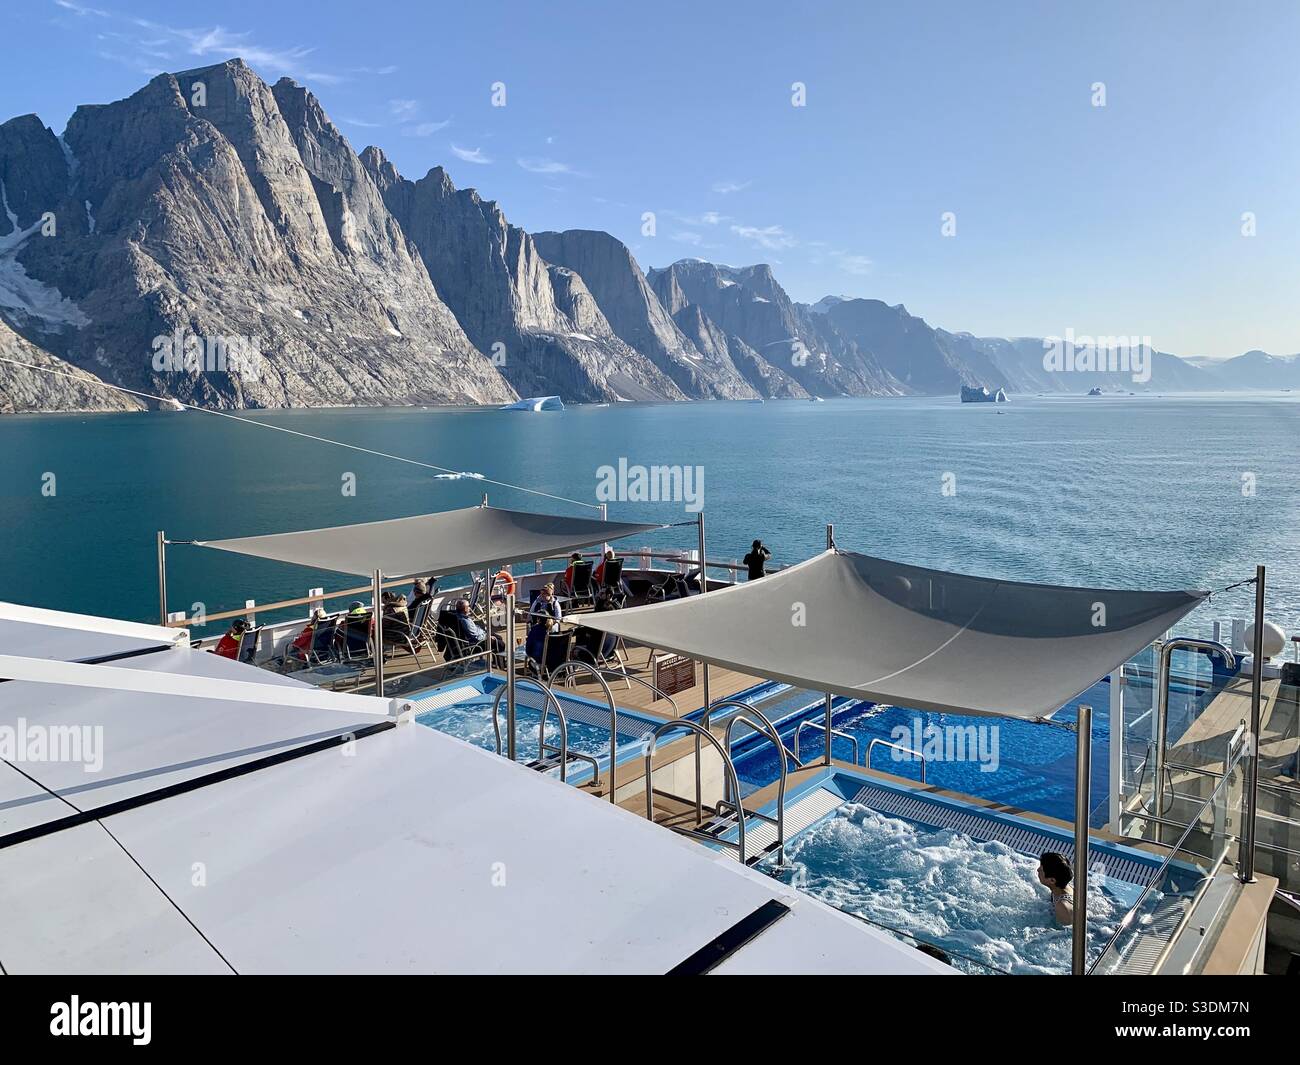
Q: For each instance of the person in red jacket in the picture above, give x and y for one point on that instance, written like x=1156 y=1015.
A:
x=228 y=645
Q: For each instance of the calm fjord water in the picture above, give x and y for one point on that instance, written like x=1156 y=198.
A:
x=1127 y=491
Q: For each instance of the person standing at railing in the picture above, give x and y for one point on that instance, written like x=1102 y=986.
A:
x=756 y=560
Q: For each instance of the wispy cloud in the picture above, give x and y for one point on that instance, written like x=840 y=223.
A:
x=687 y=237
x=470 y=155
x=546 y=166
x=390 y=69
x=81 y=9
x=725 y=188
x=361 y=122
x=770 y=237
x=219 y=43
x=151 y=46
x=402 y=109
x=425 y=129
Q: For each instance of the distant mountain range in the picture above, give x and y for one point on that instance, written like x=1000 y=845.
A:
x=217 y=240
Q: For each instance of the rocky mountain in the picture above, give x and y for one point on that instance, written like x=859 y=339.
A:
x=57 y=386
x=1255 y=370
x=211 y=216
x=216 y=239
x=749 y=305
x=636 y=315
x=545 y=329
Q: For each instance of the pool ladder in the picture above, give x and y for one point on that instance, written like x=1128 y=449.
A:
x=549 y=755
x=729 y=811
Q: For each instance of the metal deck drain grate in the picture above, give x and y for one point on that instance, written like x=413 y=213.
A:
x=1017 y=837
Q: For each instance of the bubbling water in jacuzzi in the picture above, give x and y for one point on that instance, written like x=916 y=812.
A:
x=982 y=900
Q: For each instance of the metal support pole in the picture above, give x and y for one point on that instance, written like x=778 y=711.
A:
x=379 y=632
x=830 y=544
x=1160 y=729
x=490 y=579
x=162 y=578
x=510 y=676
x=1252 y=764
x=1082 y=779
x=704 y=587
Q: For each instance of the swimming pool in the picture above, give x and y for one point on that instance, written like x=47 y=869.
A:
x=1026 y=764
x=463 y=708
x=945 y=872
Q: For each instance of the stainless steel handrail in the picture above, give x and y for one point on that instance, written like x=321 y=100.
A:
x=857 y=751
x=707 y=721
x=1128 y=917
x=727 y=766
x=898 y=747
x=1162 y=704
x=541 y=731
x=764 y=727
x=566 y=668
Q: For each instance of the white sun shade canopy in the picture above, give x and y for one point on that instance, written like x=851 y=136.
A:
x=453 y=541
x=870 y=629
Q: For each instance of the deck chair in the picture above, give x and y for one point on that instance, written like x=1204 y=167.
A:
x=319 y=650
x=612 y=579
x=475 y=596
x=555 y=651
x=583 y=590
x=424 y=623
x=248 y=644
x=352 y=640
x=589 y=645
x=399 y=634
x=453 y=646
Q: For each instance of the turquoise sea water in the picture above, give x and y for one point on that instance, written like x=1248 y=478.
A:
x=1127 y=491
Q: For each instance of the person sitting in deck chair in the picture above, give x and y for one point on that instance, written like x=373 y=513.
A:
x=574 y=560
x=1055 y=874
x=229 y=644
x=470 y=632
x=298 y=653
x=543 y=616
x=421 y=592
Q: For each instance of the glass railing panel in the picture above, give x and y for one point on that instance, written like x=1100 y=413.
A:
x=1140 y=939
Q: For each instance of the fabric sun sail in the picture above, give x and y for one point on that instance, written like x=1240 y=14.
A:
x=453 y=541
x=866 y=628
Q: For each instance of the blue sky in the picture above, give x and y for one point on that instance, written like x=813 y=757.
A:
x=1115 y=220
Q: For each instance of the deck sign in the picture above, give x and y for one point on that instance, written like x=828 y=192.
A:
x=673 y=673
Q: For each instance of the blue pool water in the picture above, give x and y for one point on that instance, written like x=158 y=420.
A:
x=1034 y=764
x=976 y=900
x=469 y=718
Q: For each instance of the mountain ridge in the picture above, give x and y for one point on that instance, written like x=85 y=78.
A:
x=210 y=209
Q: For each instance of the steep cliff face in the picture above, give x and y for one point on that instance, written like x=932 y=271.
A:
x=193 y=210
x=749 y=305
x=636 y=315
x=762 y=377
x=504 y=293
x=55 y=386
x=922 y=358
